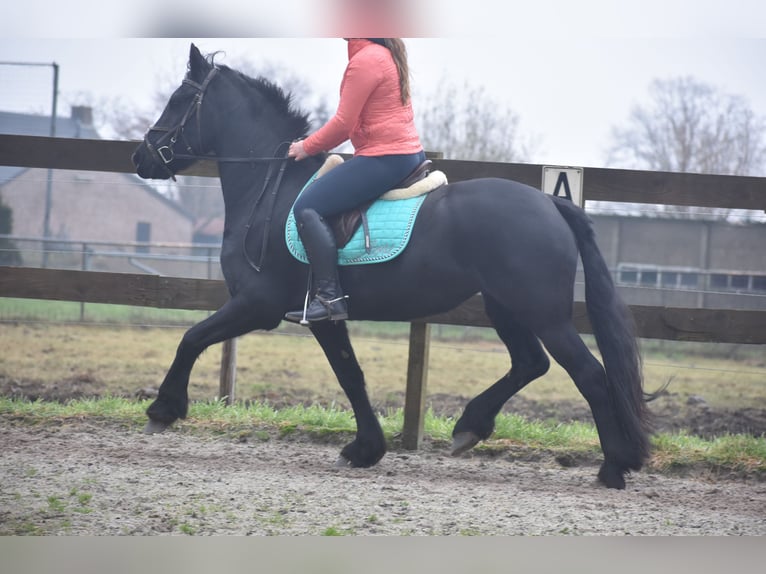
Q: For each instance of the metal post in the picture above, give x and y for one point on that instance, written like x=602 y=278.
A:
x=84 y=268
x=49 y=183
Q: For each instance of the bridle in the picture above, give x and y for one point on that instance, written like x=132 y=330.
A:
x=163 y=153
x=163 y=150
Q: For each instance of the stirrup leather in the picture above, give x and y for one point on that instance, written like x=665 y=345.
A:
x=339 y=314
x=328 y=302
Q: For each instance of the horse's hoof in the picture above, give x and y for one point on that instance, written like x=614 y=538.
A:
x=463 y=442
x=611 y=476
x=155 y=427
x=342 y=462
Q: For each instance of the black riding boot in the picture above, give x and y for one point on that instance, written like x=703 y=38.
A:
x=328 y=301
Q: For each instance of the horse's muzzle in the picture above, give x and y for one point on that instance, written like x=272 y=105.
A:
x=146 y=167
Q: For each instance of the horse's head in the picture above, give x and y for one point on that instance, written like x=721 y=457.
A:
x=242 y=120
x=176 y=140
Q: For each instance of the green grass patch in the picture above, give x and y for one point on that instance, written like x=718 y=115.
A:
x=335 y=531
x=742 y=455
x=739 y=454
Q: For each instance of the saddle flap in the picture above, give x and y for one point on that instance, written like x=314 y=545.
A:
x=345 y=225
x=387 y=229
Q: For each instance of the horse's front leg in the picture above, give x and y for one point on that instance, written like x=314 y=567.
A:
x=369 y=446
x=235 y=318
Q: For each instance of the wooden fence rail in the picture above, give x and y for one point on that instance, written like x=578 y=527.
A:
x=716 y=191
x=669 y=323
x=602 y=184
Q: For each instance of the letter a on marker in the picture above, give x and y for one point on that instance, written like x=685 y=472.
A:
x=563 y=180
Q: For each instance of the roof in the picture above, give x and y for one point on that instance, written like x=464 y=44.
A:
x=78 y=125
x=37 y=125
x=211 y=226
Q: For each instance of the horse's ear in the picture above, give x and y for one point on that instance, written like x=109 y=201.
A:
x=197 y=61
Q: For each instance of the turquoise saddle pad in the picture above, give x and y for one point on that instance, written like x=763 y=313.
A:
x=390 y=223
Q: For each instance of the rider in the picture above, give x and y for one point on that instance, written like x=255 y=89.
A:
x=375 y=113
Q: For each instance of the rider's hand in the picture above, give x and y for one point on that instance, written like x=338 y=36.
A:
x=296 y=150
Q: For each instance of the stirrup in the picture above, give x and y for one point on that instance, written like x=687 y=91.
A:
x=292 y=315
x=301 y=317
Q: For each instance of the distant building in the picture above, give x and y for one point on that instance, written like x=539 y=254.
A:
x=83 y=206
x=685 y=263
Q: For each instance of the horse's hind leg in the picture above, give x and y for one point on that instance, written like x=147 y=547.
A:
x=569 y=350
x=369 y=446
x=528 y=362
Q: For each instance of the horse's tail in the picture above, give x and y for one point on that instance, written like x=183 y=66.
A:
x=614 y=330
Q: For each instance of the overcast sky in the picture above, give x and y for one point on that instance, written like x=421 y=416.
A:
x=571 y=75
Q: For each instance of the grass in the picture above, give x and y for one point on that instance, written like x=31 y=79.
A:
x=335 y=531
x=119 y=360
x=18 y=309
x=741 y=455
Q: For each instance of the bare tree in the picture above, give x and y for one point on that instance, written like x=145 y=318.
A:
x=465 y=122
x=117 y=117
x=9 y=253
x=690 y=126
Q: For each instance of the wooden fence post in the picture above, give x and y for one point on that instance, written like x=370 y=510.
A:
x=417 y=377
x=228 y=377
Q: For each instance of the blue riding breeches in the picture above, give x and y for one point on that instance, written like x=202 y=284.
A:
x=354 y=182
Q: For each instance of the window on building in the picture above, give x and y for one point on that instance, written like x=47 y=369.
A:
x=631 y=274
x=649 y=277
x=719 y=281
x=739 y=281
x=628 y=276
x=669 y=279
x=689 y=280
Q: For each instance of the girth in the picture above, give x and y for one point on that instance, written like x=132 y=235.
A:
x=345 y=225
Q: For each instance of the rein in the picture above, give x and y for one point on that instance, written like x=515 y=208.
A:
x=270 y=212
x=164 y=154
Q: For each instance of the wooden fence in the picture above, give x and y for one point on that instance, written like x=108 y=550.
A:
x=713 y=325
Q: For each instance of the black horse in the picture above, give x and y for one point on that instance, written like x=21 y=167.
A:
x=510 y=242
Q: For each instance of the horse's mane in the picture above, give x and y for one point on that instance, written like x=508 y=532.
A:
x=273 y=94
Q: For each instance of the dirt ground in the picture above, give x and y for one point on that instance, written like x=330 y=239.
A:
x=96 y=477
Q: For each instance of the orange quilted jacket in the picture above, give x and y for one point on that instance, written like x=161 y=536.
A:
x=370 y=112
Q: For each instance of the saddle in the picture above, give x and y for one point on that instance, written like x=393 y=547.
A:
x=346 y=224
x=391 y=218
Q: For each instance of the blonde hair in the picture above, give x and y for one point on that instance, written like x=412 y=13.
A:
x=399 y=52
